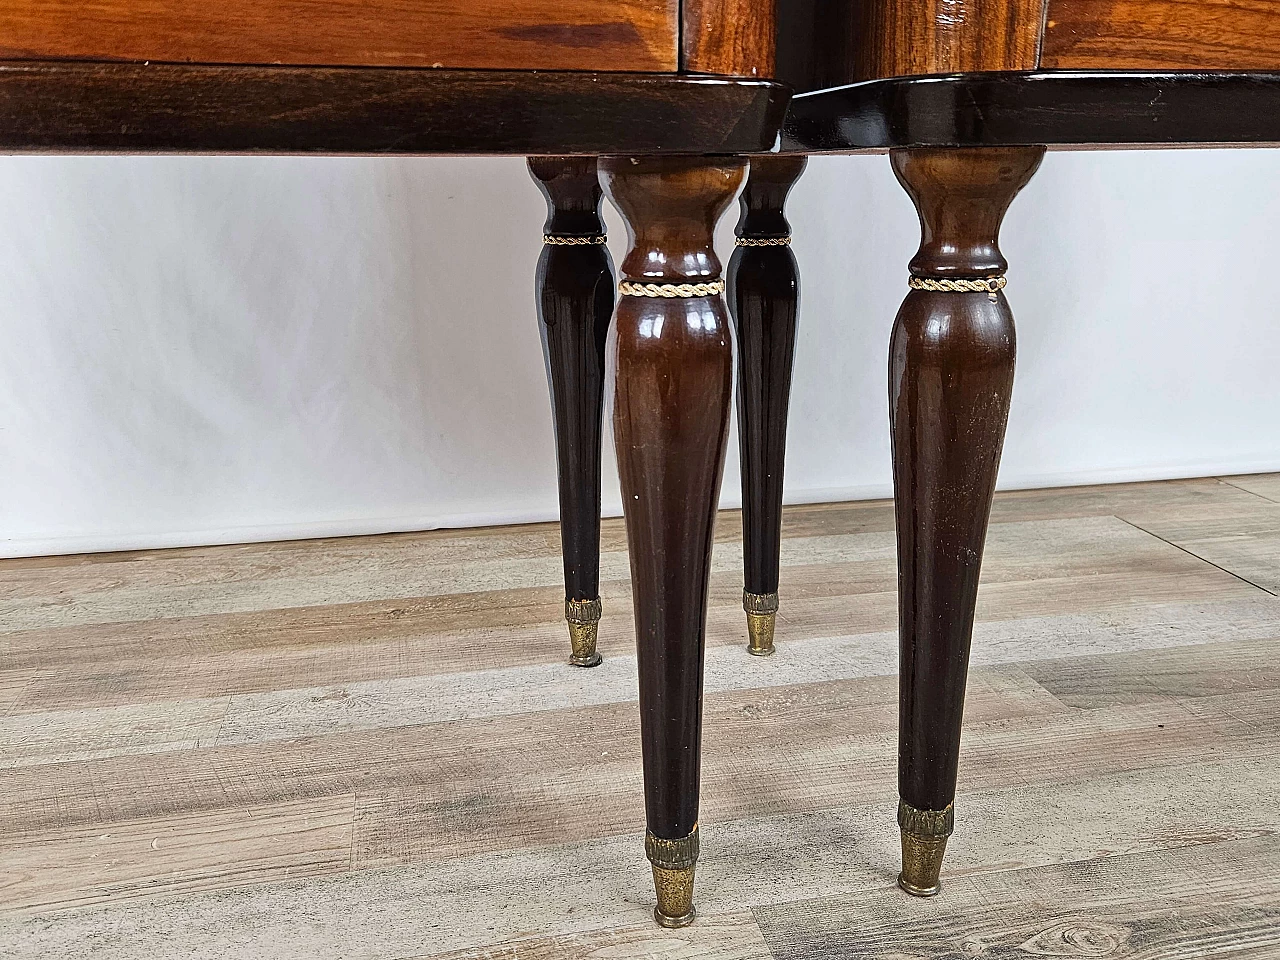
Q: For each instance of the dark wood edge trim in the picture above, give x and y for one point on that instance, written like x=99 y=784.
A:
x=1056 y=108
x=187 y=108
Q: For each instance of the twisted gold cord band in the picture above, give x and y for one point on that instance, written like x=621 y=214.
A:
x=985 y=285
x=629 y=288
x=558 y=241
x=762 y=242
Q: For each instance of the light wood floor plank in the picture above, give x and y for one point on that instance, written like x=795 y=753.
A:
x=1219 y=900
x=372 y=748
x=1164 y=674
x=723 y=937
x=31 y=737
x=126 y=860
x=1265 y=485
x=1093 y=562
x=588 y=886
x=1246 y=544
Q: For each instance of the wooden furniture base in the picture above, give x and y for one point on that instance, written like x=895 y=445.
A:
x=1058 y=108
x=507 y=77
x=673 y=368
x=174 y=108
x=950 y=379
x=575 y=302
x=764 y=297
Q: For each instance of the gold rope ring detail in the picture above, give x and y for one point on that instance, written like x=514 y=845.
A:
x=985 y=285
x=762 y=241
x=629 y=288
x=558 y=241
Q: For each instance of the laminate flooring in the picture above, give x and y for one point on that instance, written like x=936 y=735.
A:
x=374 y=748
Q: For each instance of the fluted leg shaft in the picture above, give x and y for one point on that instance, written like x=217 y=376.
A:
x=764 y=297
x=951 y=364
x=673 y=366
x=575 y=302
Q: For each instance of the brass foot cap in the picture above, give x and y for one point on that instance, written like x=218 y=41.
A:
x=673 y=863
x=915 y=891
x=674 y=888
x=762 y=611
x=583 y=617
x=921 y=864
x=674 y=923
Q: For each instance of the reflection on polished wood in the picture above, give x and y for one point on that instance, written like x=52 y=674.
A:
x=764 y=298
x=1049 y=107
x=950 y=378
x=673 y=369
x=1161 y=35
x=168 y=108
x=575 y=302
x=488 y=34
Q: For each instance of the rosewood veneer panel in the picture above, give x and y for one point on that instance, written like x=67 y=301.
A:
x=900 y=38
x=1162 y=35
x=483 y=34
x=733 y=37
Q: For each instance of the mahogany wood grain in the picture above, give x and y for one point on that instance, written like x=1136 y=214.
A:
x=732 y=37
x=575 y=301
x=490 y=34
x=1162 y=35
x=951 y=363
x=157 y=108
x=673 y=374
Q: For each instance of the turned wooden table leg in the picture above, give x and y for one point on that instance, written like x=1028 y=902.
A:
x=764 y=297
x=673 y=371
x=575 y=302
x=950 y=376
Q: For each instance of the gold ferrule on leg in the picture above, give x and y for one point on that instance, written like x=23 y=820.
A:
x=583 y=617
x=673 y=864
x=924 y=842
x=762 y=612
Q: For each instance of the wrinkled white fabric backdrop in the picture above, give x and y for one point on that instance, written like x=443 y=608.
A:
x=200 y=350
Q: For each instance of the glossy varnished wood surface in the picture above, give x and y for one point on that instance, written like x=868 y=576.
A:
x=764 y=298
x=901 y=38
x=1162 y=35
x=951 y=360
x=672 y=367
x=201 y=747
x=159 y=108
x=488 y=34
x=826 y=43
x=575 y=291
x=1048 y=107
x=734 y=37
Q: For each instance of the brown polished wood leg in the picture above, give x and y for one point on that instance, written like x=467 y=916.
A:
x=764 y=297
x=575 y=302
x=673 y=371
x=950 y=376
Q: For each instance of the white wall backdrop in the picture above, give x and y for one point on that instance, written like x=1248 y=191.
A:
x=198 y=350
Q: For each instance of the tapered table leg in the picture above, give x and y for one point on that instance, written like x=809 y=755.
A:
x=575 y=302
x=764 y=298
x=950 y=376
x=673 y=372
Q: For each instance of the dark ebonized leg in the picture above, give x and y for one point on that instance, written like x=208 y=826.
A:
x=950 y=376
x=575 y=301
x=764 y=297
x=673 y=371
